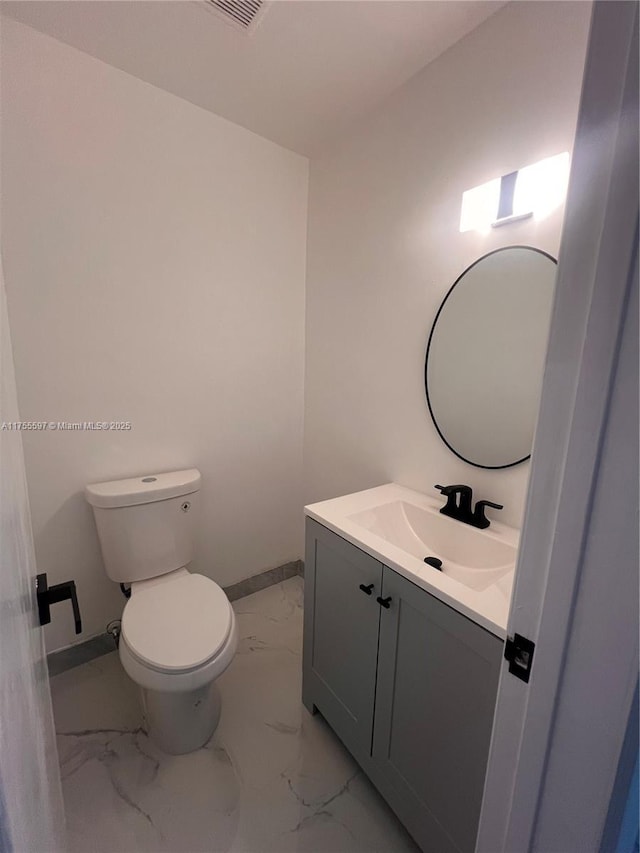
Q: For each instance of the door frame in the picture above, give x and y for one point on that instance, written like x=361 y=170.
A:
x=595 y=273
x=31 y=807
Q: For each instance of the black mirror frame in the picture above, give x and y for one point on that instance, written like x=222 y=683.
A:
x=426 y=360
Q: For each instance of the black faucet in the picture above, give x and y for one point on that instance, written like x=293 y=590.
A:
x=459 y=503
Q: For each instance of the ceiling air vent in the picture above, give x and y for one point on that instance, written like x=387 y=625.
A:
x=242 y=14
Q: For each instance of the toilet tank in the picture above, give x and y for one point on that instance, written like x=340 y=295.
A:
x=146 y=525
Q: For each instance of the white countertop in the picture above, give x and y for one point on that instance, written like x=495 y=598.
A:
x=488 y=608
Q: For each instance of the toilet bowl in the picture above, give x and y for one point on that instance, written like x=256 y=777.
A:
x=178 y=630
x=178 y=635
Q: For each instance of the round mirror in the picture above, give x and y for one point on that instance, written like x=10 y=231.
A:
x=485 y=356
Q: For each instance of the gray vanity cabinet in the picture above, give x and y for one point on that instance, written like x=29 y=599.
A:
x=341 y=635
x=410 y=688
x=437 y=684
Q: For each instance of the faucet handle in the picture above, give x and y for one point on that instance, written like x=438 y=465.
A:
x=479 y=518
x=449 y=490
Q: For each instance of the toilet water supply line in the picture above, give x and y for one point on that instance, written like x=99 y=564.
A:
x=114 y=628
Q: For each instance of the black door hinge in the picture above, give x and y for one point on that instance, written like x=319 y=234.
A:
x=519 y=652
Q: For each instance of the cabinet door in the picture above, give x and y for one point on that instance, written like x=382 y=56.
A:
x=436 y=694
x=341 y=635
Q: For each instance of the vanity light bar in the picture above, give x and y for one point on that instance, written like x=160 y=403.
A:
x=515 y=217
x=533 y=191
x=505 y=203
x=507 y=189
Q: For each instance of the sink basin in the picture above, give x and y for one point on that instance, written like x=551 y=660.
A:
x=476 y=558
x=399 y=527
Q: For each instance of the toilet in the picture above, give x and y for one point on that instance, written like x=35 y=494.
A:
x=178 y=628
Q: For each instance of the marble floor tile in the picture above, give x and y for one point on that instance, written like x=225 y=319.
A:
x=273 y=779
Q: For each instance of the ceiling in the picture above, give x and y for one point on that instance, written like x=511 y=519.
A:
x=300 y=78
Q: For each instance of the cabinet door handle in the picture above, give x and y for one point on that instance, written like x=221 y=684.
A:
x=367 y=589
x=384 y=602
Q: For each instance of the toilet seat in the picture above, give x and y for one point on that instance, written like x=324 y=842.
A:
x=176 y=623
x=164 y=681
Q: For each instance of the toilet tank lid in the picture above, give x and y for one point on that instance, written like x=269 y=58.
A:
x=144 y=489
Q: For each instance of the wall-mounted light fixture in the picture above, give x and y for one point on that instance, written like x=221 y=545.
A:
x=534 y=191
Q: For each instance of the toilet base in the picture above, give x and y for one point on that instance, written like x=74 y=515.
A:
x=181 y=722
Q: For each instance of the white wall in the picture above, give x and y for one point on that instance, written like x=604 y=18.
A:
x=154 y=261
x=384 y=245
